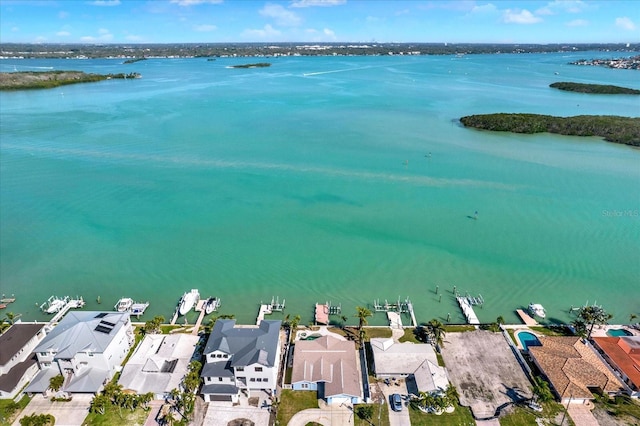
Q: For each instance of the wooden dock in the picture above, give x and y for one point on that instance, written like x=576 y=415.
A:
x=199 y=308
x=265 y=309
x=526 y=318
x=395 y=320
x=175 y=316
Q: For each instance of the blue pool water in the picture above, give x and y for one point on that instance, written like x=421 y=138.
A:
x=618 y=332
x=527 y=339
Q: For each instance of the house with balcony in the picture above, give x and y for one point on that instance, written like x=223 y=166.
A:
x=623 y=355
x=86 y=347
x=17 y=362
x=240 y=359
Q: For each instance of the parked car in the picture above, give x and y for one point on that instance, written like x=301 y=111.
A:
x=396 y=402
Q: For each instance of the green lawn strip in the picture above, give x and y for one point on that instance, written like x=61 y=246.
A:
x=5 y=418
x=546 y=331
x=380 y=411
x=409 y=336
x=458 y=328
x=522 y=416
x=112 y=415
x=378 y=332
x=293 y=401
x=461 y=416
x=620 y=406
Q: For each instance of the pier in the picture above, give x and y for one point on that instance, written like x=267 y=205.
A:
x=174 y=318
x=399 y=307
x=467 y=310
x=322 y=312
x=526 y=318
x=269 y=308
x=70 y=304
x=199 y=308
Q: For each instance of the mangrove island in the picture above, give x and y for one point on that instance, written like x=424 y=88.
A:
x=599 y=89
x=257 y=65
x=623 y=130
x=49 y=79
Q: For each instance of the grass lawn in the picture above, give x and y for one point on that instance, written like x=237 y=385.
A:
x=551 y=331
x=521 y=416
x=111 y=417
x=409 y=336
x=378 y=332
x=380 y=411
x=293 y=401
x=5 y=419
x=461 y=416
x=621 y=407
x=458 y=328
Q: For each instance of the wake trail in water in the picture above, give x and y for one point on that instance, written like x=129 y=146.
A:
x=256 y=165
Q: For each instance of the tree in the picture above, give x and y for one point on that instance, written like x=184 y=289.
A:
x=153 y=326
x=452 y=393
x=632 y=317
x=56 y=382
x=580 y=327
x=592 y=315
x=542 y=390
x=500 y=320
x=99 y=404
x=145 y=399
x=11 y=317
x=436 y=331
x=111 y=390
x=38 y=420
x=362 y=314
x=169 y=418
x=4 y=325
x=365 y=412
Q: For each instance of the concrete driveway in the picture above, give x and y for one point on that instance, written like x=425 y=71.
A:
x=397 y=418
x=70 y=413
x=329 y=416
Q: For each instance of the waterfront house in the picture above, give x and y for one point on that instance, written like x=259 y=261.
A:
x=573 y=368
x=329 y=366
x=158 y=364
x=17 y=362
x=240 y=359
x=86 y=347
x=623 y=355
x=416 y=362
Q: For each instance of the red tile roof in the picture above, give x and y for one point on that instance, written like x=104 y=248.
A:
x=624 y=352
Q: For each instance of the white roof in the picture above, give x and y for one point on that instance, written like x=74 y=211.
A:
x=159 y=363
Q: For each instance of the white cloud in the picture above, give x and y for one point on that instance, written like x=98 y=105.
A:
x=63 y=33
x=558 y=6
x=15 y=29
x=625 y=23
x=281 y=15
x=63 y=15
x=267 y=32
x=195 y=2
x=372 y=19
x=105 y=2
x=402 y=12
x=329 y=33
x=104 y=36
x=578 y=23
x=485 y=8
x=312 y=3
x=205 y=28
x=520 y=17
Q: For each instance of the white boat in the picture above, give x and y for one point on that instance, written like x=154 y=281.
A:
x=188 y=301
x=53 y=304
x=536 y=309
x=213 y=303
x=123 y=304
x=139 y=308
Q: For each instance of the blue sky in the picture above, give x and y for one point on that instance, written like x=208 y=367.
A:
x=219 y=21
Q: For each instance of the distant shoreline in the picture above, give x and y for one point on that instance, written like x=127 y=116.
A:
x=234 y=50
x=598 y=89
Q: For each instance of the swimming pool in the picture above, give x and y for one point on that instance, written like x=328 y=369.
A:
x=527 y=339
x=618 y=332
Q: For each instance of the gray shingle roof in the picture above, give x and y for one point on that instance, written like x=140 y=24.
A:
x=247 y=345
x=14 y=339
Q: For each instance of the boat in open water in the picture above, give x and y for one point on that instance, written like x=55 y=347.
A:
x=188 y=301
x=537 y=310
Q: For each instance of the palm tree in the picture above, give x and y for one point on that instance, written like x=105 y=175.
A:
x=362 y=314
x=436 y=330
x=169 y=418
x=11 y=317
x=56 y=382
x=145 y=399
x=99 y=404
x=111 y=390
x=4 y=325
x=593 y=315
x=632 y=317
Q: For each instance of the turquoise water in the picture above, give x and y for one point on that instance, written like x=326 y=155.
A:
x=310 y=180
x=527 y=339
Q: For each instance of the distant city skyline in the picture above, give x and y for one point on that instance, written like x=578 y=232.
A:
x=317 y=21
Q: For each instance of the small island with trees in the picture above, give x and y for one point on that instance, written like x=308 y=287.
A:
x=49 y=79
x=599 y=89
x=256 y=65
x=134 y=60
x=622 y=130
